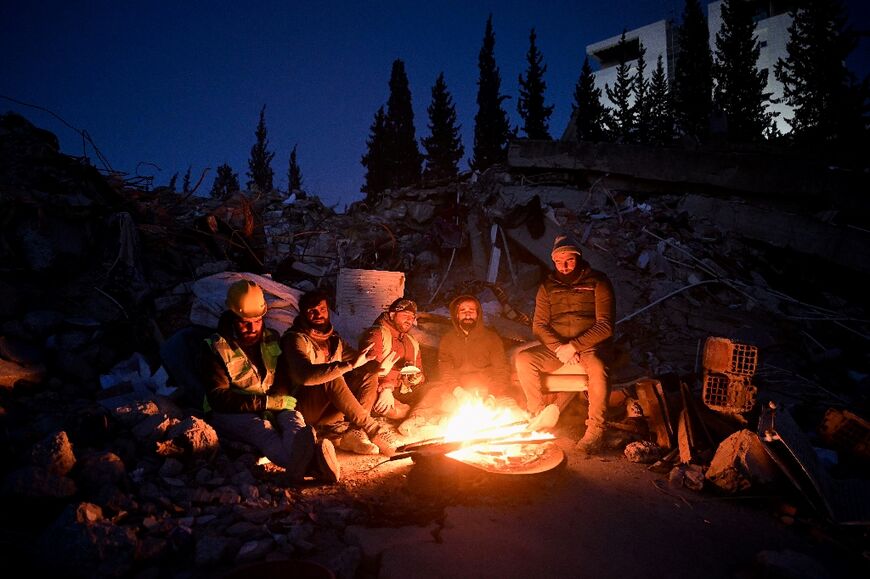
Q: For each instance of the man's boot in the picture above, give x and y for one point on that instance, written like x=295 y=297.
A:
x=593 y=439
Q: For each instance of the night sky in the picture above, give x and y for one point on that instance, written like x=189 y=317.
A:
x=161 y=86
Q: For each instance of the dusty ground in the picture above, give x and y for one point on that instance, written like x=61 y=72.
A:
x=589 y=517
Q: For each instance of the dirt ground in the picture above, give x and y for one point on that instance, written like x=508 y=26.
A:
x=600 y=516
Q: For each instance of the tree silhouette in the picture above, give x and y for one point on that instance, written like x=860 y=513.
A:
x=641 y=100
x=530 y=105
x=260 y=163
x=185 y=183
x=294 y=176
x=693 y=77
x=444 y=144
x=739 y=87
x=375 y=158
x=491 y=126
x=404 y=161
x=824 y=94
x=226 y=182
x=661 y=114
x=622 y=116
x=590 y=116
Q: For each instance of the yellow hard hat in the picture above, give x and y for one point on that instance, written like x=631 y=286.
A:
x=245 y=299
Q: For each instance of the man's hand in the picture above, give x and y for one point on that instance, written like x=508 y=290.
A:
x=366 y=355
x=385 y=401
x=565 y=353
x=388 y=363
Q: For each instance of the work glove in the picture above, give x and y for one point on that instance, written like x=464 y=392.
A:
x=385 y=401
x=280 y=402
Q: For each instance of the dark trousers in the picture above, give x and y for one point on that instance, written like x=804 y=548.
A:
x=340 y=399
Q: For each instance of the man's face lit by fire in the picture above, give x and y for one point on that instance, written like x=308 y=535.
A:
x=318 y=316
x=403 y=320
x=248 y=331
x=565 y=262
x=466 y=314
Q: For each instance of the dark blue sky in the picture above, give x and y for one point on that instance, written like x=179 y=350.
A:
x=181 y=83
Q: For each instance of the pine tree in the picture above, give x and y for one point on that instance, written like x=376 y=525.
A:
x=622 y=116
x=739 y=87
x=641 y=100
x=661 y=115
x=530 y=105
x=693 y=77
x=444 y=145
x=294 y=176
x=826 y=99
x=376 y=181
x=260 y=162
x=185 y=183
x=226 y=182
x=404 y=161
x=491 y=125
x=590 y=116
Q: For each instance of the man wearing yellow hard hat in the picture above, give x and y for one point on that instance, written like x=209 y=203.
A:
x=242 y=401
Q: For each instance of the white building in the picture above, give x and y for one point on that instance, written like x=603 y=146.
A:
x=659 y=38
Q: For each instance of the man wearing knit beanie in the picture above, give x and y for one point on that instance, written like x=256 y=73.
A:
x=574 y=317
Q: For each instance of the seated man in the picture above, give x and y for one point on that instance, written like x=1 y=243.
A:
x=313 y=367
x=574 y=311
x=401 y=361
x=237 y=367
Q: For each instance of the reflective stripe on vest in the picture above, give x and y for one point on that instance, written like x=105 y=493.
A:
x=387 y=340
x=242 y=373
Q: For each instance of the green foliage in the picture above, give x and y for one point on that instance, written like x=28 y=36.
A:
x=531 y=107
x=491 y=125
x=294 y=176
x=260 y=163
x=622 y=117
x=590 y=116
x=827 y=100
x=693 y=77
x=404 y=161
x=641 y=99
x=739 y=85
x=226 y=182
x=444 y=145
x=661 y=114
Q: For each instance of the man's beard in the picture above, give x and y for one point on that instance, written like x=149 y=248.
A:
x=569 y=278
x=467 y=324
x=322 y=325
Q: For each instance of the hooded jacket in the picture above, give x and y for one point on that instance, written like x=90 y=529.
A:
x=473 y=359
x=581 y=311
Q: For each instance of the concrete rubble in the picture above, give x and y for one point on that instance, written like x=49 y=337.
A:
x=122 y=476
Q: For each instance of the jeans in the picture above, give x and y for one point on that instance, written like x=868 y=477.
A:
x=284 y=439
x=537 y=360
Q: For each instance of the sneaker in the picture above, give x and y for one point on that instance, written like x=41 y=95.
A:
x=355 y=440
x=411 y=426
x=592 y=441
x=327 y=463
x=545 y=419
x=385 y=441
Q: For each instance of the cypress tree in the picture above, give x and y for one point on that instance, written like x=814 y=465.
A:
x=404 y=161
x=641 y=100
x=260 y=163
x=444 y=144
x=491 y=125
x=661 y=115
x=622 y=116
x=739 y=88
x=590 y=116
x=294 y=176
x=226 y=182
x=374 y=160
x=824 y=94
x=531 y=107
x=693 y=76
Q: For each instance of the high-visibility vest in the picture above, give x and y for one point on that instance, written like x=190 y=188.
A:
x=387 y=340
x=243 y=374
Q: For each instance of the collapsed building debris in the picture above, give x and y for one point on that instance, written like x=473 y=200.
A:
x=103 y=280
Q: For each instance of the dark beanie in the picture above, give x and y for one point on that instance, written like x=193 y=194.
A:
x=565 y=244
